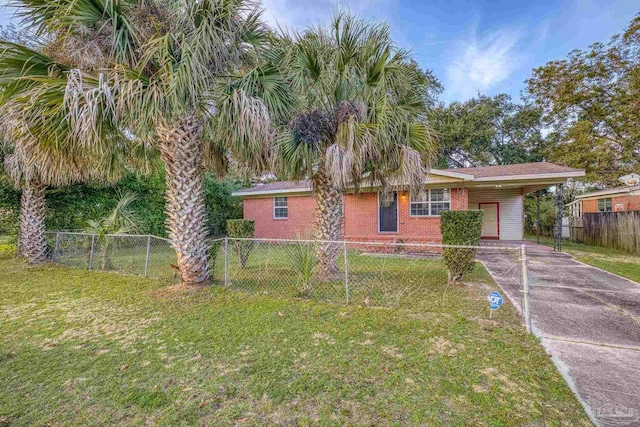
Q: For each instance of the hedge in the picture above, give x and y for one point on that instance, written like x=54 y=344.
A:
x=241 y=228
x=69 y=208
x=460 y=228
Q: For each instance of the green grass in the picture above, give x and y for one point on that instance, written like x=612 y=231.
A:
x=7 y=247
x=89 y=348
x=615 y=261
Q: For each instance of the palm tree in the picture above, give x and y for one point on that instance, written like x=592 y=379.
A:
x=357 y=115
x=168 y=78
x=121 y=220
x=42 y=149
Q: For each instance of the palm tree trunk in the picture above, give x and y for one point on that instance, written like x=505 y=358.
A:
x=33 y=244
x=182 y=152
x=328 y=199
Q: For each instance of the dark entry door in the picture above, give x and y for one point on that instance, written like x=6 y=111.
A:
x=388 y=215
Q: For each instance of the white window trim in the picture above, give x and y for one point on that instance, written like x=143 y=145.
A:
x=605 y=203
x=274 y=207
x=428 y=202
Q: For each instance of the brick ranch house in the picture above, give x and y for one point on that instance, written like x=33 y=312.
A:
x=621 y=199
x=285 y=209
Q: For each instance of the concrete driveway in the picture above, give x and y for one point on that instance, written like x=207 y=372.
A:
x=589 y=322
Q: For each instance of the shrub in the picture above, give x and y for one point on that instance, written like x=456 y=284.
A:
x=241 y=228
x=304 y=259
x=460 y=228
x=221 y=205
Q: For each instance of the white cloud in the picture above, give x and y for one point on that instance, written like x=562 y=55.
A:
x=480 y=63
x=298 y=14
x=6 y=13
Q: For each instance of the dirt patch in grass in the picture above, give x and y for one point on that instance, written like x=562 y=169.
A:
x=179 y=291
x=82 y=320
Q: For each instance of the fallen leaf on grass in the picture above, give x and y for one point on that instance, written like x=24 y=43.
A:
x=281 y=314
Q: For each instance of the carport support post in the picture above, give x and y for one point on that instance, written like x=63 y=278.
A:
x=538 y=217
x=526 y=311
x=346 y=271
x=557 y=227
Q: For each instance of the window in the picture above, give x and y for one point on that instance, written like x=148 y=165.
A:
x=280 y=207
x=430 y=202
x=604 y=205
x=420 y=203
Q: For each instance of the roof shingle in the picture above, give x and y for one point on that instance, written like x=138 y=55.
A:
x=304 y=184
x=513 y=170
x=539 y=168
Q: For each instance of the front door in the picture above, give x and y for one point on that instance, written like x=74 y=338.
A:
x=491 y=221
x=388 y=215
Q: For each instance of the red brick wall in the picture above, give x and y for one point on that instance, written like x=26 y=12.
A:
x=361 y=218
x=589 y=206
x=629 y=203
x=301 y=217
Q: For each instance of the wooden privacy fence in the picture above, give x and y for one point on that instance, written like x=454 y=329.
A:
x=616 y=230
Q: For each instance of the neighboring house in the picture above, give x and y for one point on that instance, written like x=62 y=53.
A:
x=286 y=209
x=621 y=199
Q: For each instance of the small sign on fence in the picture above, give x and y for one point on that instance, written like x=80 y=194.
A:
x=495 y=301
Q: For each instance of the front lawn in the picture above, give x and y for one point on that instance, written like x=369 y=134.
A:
x=89 y=348
x=7 y=247
x=615 y=261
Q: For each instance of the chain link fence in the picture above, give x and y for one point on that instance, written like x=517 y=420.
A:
x=143 y=255
x=370 y=274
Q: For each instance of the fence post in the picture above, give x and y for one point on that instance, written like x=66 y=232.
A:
x=526 y=310
x=57 y=246
x=346 y=270
x=146 y=261
x=93 y=243
x=226 y=261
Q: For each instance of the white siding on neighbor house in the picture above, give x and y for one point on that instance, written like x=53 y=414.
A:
x=511 y=209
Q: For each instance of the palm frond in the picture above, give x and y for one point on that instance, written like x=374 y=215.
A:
x=336 y=70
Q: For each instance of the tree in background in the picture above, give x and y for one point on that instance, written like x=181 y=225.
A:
x=220 y=204
x=9 y=196
x=70 y=207
x=487 y=131
x=591 y=103
x=426 y=85
x=356 y=111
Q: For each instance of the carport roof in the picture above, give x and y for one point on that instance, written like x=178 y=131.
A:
x=519 y=169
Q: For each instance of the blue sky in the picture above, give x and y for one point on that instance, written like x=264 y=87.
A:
x=473 y=46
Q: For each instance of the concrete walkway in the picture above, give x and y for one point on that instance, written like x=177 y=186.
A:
x=589 y=322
